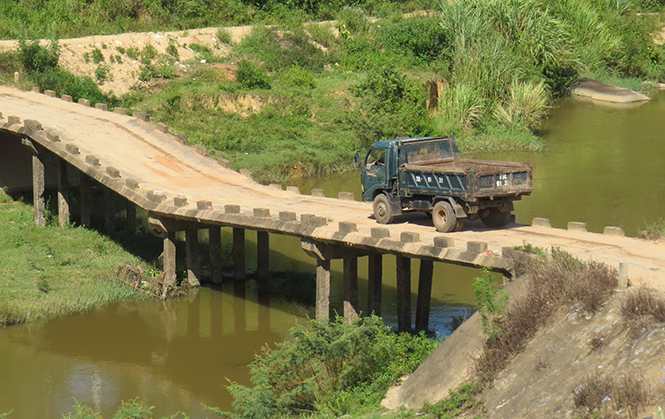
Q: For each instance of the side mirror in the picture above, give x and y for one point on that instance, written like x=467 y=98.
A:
x=356 y=158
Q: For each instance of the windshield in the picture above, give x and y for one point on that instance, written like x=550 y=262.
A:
x=430 y=151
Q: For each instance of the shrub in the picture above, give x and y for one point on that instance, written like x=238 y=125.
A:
x=526 y=106
x=172 y=50
x=250 y=76
x=223 y=36
x=421 y=39
x=97 y=56
x=491 y=304
x=38 y=59
x=298 y=77
x=102 y=73
x=325 y=365
x=643 y=302
x=64 y=82
x=654 y=231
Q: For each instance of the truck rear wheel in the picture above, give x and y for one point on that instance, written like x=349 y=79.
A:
x=495 y=218
x=383 y=212
x=444 y=217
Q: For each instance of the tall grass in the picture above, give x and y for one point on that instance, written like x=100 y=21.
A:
x=49 y=272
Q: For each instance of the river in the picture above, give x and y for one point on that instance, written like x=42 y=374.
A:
x=603 y=166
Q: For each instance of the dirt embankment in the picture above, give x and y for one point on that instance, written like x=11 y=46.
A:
x=577 y=357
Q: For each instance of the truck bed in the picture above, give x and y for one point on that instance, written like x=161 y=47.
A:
x=479 y=167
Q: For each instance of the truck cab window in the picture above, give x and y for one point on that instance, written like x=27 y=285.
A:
x=375 y=158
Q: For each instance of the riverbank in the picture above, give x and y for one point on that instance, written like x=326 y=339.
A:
x=48 y=272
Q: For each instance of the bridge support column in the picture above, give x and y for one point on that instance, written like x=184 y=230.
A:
x=63 y=192
x=374 y=283
x=38 y=186
x=239 y=253
x=192 y=249
x=263 y=253
x=86 y=199
x=350 y=288
x=109 y=211
x=322 y=289
x=130 y=216
x=424 y=295
x=169 y=259
x=403 y=293
x=215 y=242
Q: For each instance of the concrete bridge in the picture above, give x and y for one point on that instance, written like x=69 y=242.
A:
x=49 y=141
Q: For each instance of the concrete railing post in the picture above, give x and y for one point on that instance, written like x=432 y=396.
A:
x=403 y=293
x=350 y=288
x=374 y=283
x=424 y=295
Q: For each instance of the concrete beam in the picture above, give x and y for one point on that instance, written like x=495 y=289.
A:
x=403 y=293
x=424 y=295
x=350 y=288
x=321 y=250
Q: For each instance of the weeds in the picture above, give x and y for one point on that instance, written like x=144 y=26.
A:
x=643 y=303
x=654 y=231
x=597 y=396
x=460 y=401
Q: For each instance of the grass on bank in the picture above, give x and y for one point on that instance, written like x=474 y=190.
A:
x=48 y=271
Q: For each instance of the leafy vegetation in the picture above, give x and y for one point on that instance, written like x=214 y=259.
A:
x=39 y=280
x=332 y=368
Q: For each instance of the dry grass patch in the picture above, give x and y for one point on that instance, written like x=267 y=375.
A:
x=549 y=286
x=641 y=308
x=606 y=397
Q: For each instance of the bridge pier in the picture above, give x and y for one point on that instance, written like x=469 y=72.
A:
x=109 y=211
x=215 y=243
x=239 y=266
x=62 y=173
x=350 y=288
x=322 y=289
x=192 y=251
x=169 y=259
x=38 y=187
x=85 y=190
x=424 y=295
x=130 y=216
x=403 y=293
x=374 y=283
x=263 y=254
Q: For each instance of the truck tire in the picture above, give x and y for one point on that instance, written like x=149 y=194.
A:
x=383 y=211
x=444 y=217
x=460 y=224
x=495 y=218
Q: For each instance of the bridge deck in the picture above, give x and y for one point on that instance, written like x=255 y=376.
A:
x=156 y=161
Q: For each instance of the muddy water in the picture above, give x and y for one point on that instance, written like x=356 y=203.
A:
x=604 y=166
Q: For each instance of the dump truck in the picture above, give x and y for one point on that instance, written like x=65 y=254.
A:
x=428 y=174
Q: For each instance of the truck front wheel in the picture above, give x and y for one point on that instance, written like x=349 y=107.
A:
x=444 y=217
x=383 y=212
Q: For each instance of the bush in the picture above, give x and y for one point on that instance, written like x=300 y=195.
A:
x=64 y=82
x=598 y=394
x=97 y=56
x=329 y=367
x=250 y=76
x=421 y=39
x=38 y=59
x=298 y=77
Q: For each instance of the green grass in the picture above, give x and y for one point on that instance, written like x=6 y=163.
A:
x=47 y=272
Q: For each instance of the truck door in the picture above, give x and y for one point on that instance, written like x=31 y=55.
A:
x=374 y=174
